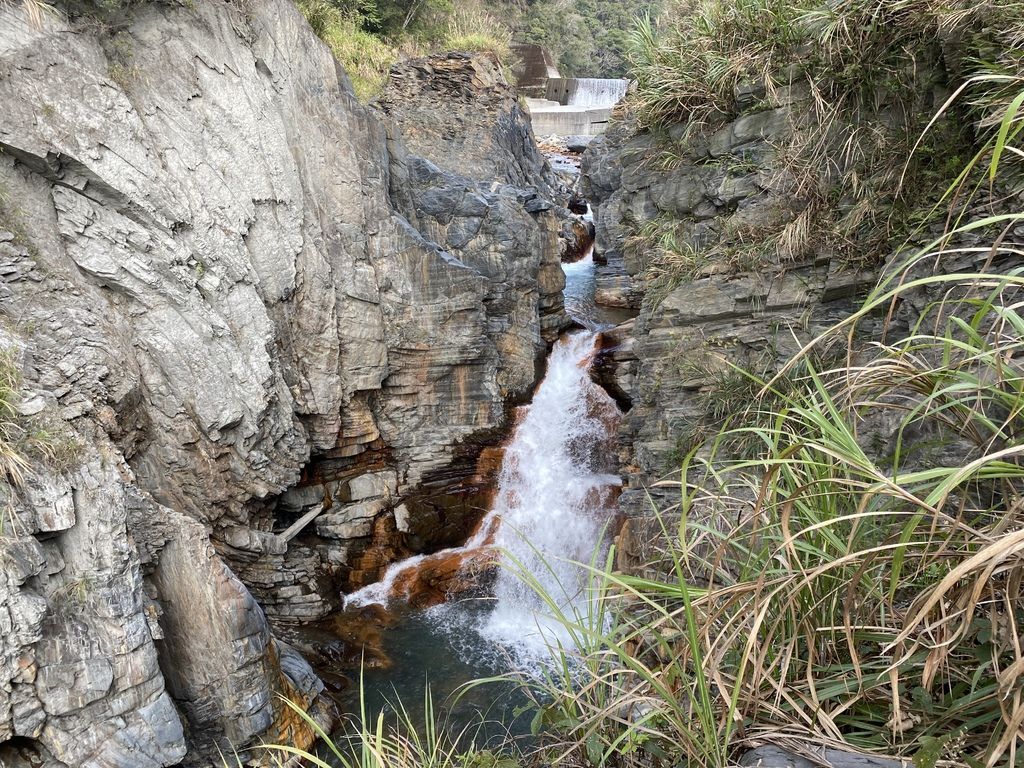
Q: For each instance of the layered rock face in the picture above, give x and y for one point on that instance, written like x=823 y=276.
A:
x=672 y=364
x=233 y=297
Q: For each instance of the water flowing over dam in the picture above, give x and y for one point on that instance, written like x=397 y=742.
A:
x=576 y=106
x=587 y=91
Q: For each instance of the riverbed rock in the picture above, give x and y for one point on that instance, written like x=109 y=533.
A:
x=233 y=294
x=775 y=757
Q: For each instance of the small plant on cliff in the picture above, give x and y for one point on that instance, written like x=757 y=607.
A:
x=13 y=463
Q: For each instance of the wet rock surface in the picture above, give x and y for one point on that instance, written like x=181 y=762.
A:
x=242 y=297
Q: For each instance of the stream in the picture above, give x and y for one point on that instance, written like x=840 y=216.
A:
x=553 y=508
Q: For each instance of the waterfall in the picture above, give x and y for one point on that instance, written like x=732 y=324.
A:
x=596 y=92
x=554 y=500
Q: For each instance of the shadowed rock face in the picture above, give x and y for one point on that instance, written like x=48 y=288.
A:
x=243 y=296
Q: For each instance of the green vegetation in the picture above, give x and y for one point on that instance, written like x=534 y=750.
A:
x=827 y=591
x=368 y=37
x=861 y=80
x=365 y=57
x=368 y=742
x=588 y=38
x=23 y=440
x=13 y=462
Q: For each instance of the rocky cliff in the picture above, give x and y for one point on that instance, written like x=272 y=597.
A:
x=726 y=296
x=733 y=260
x=232 y=298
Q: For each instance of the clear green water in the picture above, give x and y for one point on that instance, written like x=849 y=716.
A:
x=439 y=649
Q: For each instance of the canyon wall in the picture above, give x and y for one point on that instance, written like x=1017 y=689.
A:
x=231 y=296
x=752 y=280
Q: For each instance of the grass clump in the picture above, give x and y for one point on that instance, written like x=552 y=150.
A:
x=26 y=440
x=14 y=464
x=473 y=28
x=367 y=741
x=859 y=80
x=690 y=64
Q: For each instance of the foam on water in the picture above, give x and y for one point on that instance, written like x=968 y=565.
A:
x=552 y=503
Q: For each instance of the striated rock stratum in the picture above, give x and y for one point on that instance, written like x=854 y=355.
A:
x=232 y=296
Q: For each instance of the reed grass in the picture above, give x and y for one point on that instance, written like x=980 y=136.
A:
x=396 y=741
x=866 y=596
x=14 y=464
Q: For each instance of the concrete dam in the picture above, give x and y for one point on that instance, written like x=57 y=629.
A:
x=575 y=106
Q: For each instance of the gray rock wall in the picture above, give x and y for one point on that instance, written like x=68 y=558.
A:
x=726 y=193
x=233 y=295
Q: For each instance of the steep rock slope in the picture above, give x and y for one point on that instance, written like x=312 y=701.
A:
x=755 y=278
x=220 y=320
x=674 y=362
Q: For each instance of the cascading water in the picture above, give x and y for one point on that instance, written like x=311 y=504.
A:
x=597 y=92
x=553 y=502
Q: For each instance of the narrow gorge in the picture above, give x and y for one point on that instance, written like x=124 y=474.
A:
x=372 y=393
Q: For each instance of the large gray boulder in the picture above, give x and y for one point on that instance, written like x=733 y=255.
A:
x=770 y=756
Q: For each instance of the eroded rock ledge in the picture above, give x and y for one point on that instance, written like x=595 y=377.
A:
x=238 y=295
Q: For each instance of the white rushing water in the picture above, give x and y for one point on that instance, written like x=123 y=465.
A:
x=553 y=501
x=597 y=92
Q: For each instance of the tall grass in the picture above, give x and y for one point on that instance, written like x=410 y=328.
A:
x=14 y=464
x=472 y=27
x=365 y=57
x=867 y=593
x=396 y=741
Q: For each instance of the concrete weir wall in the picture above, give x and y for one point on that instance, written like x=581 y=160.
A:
x=575 y=106
x=534 y=66
x=586 y=91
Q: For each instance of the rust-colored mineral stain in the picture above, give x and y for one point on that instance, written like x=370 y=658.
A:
x=445 y=576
